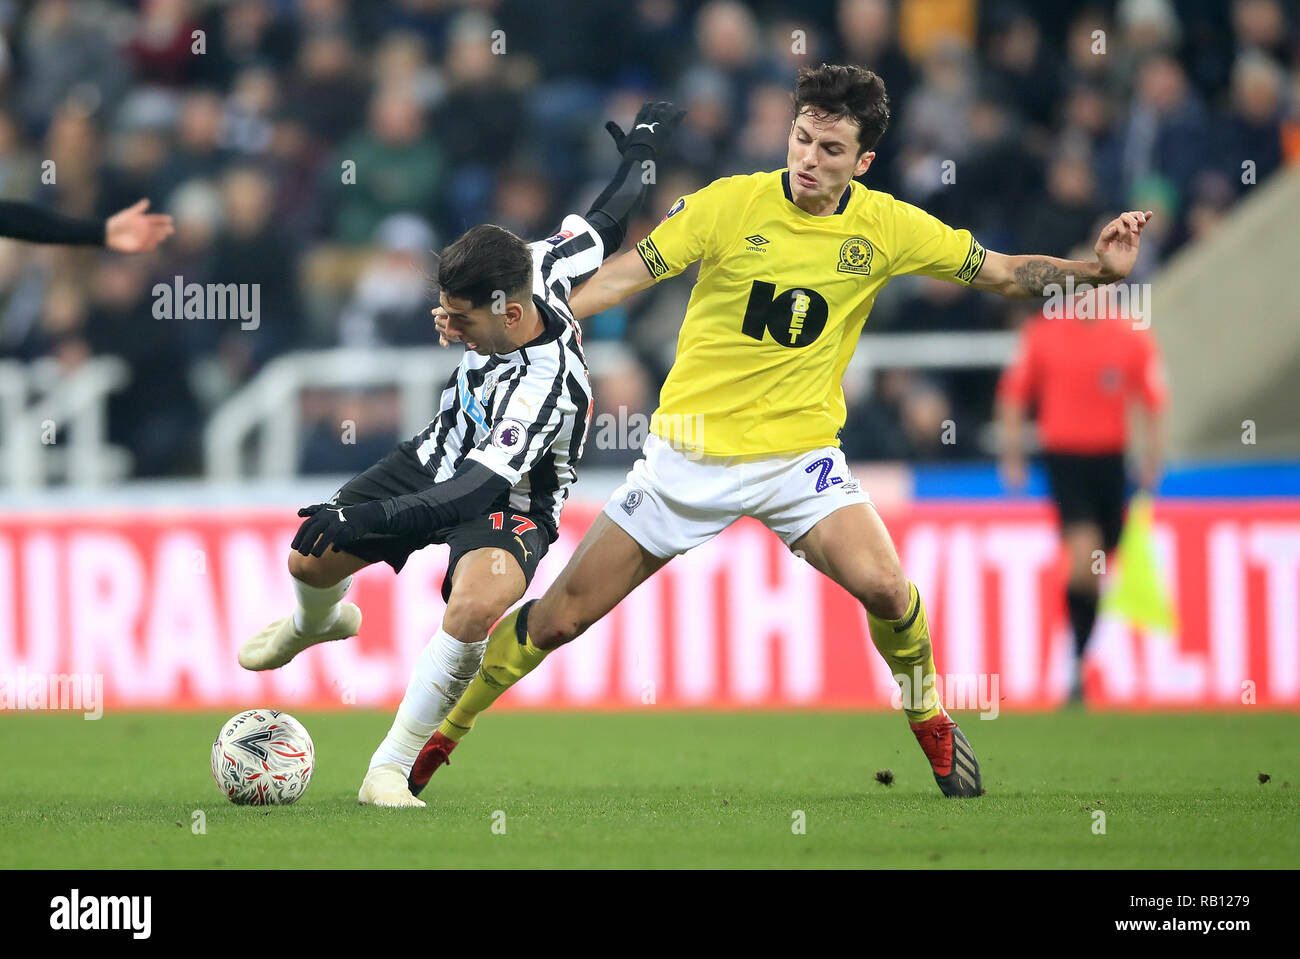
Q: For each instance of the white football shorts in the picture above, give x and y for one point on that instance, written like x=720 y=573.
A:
x=672 y=502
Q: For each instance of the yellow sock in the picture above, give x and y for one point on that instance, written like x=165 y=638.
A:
x=905 y=645
x=505 y=661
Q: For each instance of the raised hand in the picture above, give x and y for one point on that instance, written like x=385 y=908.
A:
x=653 y=127
x=134 y=231
x=1117 y=247
x=445 y=336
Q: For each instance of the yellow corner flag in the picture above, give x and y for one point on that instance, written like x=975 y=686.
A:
x=1139 y=596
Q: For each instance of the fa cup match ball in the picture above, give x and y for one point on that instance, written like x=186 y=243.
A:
x=263 y=757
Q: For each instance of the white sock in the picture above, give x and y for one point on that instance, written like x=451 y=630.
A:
x=443 y=670
x=318 y=607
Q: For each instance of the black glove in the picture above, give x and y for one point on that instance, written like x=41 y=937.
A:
x=336 y=526
x=653 y=129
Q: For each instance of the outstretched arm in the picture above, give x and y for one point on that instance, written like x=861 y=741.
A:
x=135 y=231
x=611 y=212
x=469 y=492
x=651 y=130
x=614 y=282
x=36 y=224
x=127 y=231
x=1032 y=275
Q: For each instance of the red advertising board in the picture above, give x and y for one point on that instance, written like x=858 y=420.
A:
x=157 y=602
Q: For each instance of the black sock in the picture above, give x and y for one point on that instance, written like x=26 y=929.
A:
x=521 y=622
x=1082 y=605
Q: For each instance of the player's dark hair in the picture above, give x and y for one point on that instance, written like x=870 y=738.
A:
x=834 y=91
x=484 y=260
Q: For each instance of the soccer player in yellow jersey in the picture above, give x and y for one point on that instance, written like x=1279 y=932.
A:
x=791 y=262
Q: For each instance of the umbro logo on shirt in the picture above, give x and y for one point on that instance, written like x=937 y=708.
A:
x=756 y=243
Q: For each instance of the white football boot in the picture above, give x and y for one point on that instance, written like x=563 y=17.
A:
x=282 y=640
x=386 y=786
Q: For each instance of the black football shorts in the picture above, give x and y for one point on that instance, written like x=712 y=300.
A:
x=1089 y=489
x=522 y=535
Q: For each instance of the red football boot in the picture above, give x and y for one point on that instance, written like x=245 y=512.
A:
x=435 y=752
x=956 y=769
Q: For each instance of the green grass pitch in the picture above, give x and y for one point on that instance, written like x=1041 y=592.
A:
x=670 y=789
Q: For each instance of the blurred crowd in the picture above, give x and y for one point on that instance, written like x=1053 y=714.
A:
x=324 y=150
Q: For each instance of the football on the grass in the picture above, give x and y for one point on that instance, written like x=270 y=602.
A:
x=263 y=757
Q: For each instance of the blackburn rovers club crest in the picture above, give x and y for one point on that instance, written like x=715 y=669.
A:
x=632 y=501
x=855 y=256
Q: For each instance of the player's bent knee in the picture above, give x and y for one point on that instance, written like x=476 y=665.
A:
x=552 y=627
x=469 y=615
x=555 y=636
x=888 y=596
x=307 y=569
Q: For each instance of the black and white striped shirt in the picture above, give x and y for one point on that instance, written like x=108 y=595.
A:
x=525 y=414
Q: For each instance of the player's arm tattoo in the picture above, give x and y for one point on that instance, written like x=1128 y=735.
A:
x=1036 y=275
x=1031 y=275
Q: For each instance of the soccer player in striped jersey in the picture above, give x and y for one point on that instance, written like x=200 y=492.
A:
x=488 y=477
x=747 y=423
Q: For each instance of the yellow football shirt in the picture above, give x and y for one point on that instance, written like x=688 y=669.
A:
x=779 y=305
